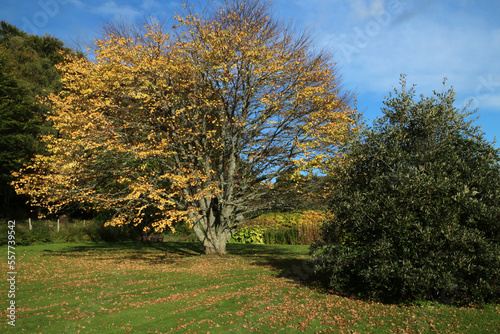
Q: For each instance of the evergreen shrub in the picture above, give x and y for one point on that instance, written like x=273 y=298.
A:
x=416 y=208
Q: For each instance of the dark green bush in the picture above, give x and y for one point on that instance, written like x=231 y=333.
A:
x=71 y=232
x=97 y=231
x=182 y=233
x=46 y=231
x=416 y=208
x=39 y=233
x=23 y=235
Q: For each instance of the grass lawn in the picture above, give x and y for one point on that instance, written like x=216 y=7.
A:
x=172 y=288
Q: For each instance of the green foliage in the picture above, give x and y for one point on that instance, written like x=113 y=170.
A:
x=18 y=133
x=247 y=235
x=46 y=232
x=97 y=231
x=282 y=236
x=290 y=228
x=41 y=232
x=26 y=71
x=182 y=233
x=290 y=193
x=417 y=208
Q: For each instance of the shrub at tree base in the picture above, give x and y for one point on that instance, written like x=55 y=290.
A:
x=248 y=235
x=417 y=208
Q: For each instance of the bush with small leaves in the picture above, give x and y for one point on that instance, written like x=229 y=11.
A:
x=416 y=208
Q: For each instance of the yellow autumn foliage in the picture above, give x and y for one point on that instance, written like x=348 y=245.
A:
x=184 y=123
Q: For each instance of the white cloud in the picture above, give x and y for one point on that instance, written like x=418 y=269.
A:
x=110 y=8
x=376 y=40
x=77 y=3
x=486 y=92
x=365 y=9
x=150 y=4
x=492 y=102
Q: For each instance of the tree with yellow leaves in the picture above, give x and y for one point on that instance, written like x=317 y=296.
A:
x=187 y=123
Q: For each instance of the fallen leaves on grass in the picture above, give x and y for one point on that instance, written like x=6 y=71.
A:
x=187 y=294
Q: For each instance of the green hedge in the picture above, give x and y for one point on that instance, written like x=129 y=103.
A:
x=46 y=231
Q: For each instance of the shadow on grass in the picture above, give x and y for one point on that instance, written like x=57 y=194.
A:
x=168 y=252
x=288 y=261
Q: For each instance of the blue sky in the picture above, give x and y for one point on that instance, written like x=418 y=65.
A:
x=374 y=41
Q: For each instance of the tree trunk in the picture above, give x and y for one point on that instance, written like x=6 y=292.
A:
x=214 y=228
x=214 y=242
x=218 y=221
x=216 y=246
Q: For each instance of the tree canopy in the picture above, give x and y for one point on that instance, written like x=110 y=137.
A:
x=416 y=208
x=26 y=71
x=187 y=124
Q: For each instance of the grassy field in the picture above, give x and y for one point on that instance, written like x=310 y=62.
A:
x=172 y=288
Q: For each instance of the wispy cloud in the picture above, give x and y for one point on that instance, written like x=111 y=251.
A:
x=425 y=40
x=428 y=52
x=150 y=4
x=365 y=9
x=77 y=3
x=117 y=11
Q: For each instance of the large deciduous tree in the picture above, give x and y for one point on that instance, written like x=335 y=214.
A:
x=186 y=124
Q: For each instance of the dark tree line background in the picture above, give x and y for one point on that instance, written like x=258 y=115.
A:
x=26 y=71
